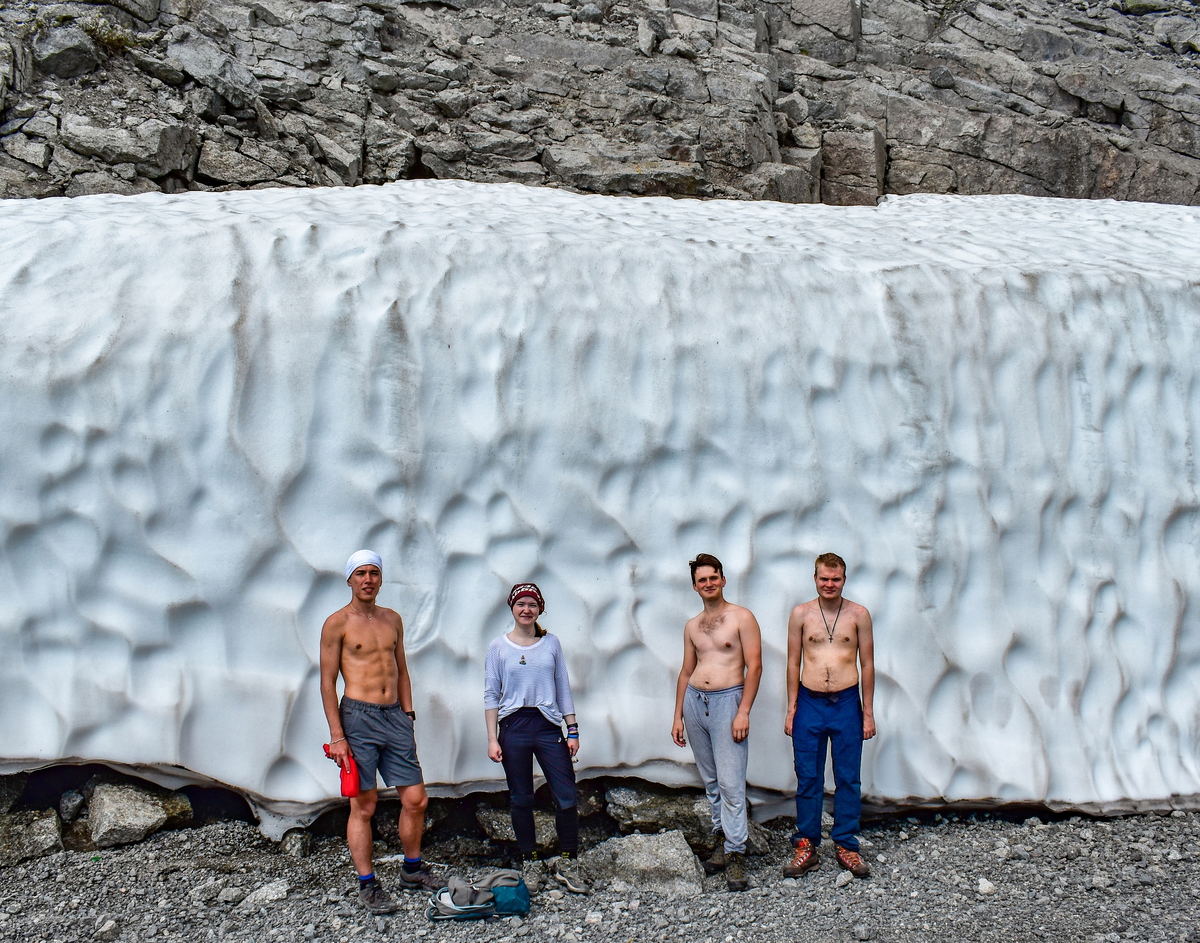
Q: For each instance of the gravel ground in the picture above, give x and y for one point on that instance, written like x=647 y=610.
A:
x=1135 y=878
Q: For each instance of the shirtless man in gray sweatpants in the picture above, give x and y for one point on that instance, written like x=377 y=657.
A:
x=722 y=667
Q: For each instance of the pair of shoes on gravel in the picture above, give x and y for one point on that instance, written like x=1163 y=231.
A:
x=561 y=870
x=733 y=863
x=805 y=859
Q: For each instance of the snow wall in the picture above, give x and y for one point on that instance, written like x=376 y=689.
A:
x=989 y=406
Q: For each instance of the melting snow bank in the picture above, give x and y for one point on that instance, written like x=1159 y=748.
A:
x=990 y=406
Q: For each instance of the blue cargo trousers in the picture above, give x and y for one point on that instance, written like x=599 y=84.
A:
x=823 y=719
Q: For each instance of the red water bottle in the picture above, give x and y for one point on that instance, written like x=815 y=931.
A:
x=350 y=781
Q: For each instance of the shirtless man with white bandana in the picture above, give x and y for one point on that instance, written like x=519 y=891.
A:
x=375 y=724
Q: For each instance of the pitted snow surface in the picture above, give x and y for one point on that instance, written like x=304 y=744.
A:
x=989 y=406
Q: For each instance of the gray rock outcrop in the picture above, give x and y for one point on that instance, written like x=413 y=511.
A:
x=25 y=835
x=11 y=788
x=119 y=814
x=795 y=100
x=497 y=824
x=658 y=864
x=641 y=810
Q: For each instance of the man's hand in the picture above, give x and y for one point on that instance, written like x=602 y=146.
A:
x=495 y=754
x=677 y=733
x=788 y=720
x=868 y=726
x=340 y=752
x=741 y=726
x=572 y=745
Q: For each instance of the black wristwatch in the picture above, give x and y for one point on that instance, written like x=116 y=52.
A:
x=412 y=714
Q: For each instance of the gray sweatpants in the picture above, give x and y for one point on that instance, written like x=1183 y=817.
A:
x=708 y=716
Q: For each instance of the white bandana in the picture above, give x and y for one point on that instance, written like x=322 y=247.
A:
x=362 y=558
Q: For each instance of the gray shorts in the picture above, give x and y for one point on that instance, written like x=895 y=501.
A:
x=381 y=738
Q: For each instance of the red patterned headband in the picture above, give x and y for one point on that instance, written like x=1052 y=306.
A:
x=526 y=589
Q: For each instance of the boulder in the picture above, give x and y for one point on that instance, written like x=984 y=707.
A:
x=340 y=161
x=155 y=146
x=29 y=150
x=25 y=835
x=639 y=810
x=296 y=843
x=225 y=165
x=265 y=894
x=207 y=892
x=853 y=165
x=785 y=182
x=840 y=17
x=11 y=788
x=497 y=823
x=162 y=69
x=794 y=108
x=146 y=10
x=93 y=182
x=107 y=928
x=507 y=144
x=204 y=61
x=587 y=171
x=70 y=804
x=66 y=51
x=120 y=813
x=659 y=864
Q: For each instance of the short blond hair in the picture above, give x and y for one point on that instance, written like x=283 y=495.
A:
x=829 y=560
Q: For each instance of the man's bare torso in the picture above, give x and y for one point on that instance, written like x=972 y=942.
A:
x=829 y=665
x=720 y=662
x=368 y=653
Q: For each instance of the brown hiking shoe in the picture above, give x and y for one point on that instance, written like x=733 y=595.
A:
x=735 y=872
x=372 y=896
x=852 y=861
x=422 y=879
x=717 y=860
x=803 y=861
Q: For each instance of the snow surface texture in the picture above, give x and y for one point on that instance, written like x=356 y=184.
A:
x=990 y=406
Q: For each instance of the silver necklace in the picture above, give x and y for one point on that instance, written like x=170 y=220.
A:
x=828 y=630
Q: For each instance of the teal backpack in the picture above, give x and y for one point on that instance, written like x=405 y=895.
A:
x=497 y=894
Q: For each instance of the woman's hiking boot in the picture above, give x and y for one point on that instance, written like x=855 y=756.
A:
x=804 y=860
x=533 y=872
x=566 y=871
x=736 y=878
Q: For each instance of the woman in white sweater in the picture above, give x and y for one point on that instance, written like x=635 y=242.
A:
x=526 y=700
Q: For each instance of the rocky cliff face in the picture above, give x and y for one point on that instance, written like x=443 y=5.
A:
x=837 y=101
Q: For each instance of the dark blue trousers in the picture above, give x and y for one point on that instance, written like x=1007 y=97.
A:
x=822 y=720
x=526 y=734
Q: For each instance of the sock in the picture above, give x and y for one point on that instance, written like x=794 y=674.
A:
x=567 y=854
x=364 y=878
x=412 y=865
